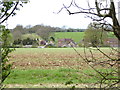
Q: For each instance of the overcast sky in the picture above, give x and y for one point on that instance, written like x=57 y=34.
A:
x=44 y=12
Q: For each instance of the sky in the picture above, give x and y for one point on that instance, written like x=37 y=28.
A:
x=45 y=12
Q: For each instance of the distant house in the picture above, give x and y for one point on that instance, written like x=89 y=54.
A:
x=66 y=43
x=42 y=42
x=113 y=42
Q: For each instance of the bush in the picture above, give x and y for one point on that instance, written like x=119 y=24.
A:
x=18 y=46
x=50 y=46
x=34 y=46
x=5 y=50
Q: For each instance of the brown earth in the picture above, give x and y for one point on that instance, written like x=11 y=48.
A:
x=52 y=60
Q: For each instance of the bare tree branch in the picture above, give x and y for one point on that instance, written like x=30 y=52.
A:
x=10 y=13
x=108 y=12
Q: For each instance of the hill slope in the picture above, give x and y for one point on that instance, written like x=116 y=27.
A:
x=76 y=36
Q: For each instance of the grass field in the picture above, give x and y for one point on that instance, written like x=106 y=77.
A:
x=42 y=66
x=76 y=36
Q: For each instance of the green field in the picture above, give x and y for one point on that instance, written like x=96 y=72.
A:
x=45 y=66
x=76 y=36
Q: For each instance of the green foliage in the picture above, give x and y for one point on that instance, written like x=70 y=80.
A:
x=9 y=38
x=31 y=36
x=17 y=42
x=69 y=82
x=94 y=37
x=17 y=32
x=45 y=32
x=5 y=50
x=7 y=9
x=29 y=41
x=111 y=35
x=37 y=31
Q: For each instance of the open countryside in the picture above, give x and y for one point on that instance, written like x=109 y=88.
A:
x=47 y=36
x=49 y=57
x=57 y=57
x=53 y=67
x=45 y=54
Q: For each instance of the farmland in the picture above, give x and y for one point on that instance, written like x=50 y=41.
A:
x=38 y=66
x=76 y=36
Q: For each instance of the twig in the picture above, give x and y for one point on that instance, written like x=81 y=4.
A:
x=10 y=13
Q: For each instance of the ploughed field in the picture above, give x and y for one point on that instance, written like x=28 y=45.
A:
x=52 y=58
x=57 y=66
x=47 y=58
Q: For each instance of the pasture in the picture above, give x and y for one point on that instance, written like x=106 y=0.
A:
x=51 y=67
x=76 y=36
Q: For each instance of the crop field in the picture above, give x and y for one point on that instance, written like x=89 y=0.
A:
x=51 y=67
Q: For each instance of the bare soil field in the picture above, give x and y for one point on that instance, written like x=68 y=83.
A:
x=51 y=58
x=46 y=59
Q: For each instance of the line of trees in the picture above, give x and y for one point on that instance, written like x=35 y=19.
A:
x=21 y=34
x=41 y=30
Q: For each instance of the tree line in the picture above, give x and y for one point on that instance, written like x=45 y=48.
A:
x=28 y=34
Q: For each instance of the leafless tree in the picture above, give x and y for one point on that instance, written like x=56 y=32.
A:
x=100 y=14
